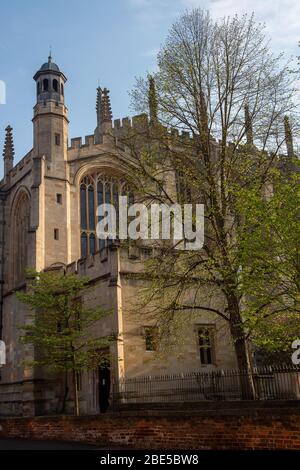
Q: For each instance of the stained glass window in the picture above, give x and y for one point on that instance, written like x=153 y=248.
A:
x=97 y=189
x=83 y=244
x=92 y=243
x=83 y=221
x=91 y=206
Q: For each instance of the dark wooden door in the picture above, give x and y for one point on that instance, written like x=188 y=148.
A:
x=104 y=387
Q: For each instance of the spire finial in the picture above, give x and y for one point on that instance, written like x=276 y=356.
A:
x=152 y=100
x=204 y=126
x=8 y=150
x=98 y=105
x=104 y=114
x=288 y=137
x=50 y=54
x=248 y=125
x=105 y=108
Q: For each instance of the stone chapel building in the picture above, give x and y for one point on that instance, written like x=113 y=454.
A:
x=47 y=211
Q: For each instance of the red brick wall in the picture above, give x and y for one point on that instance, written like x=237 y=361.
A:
x=230 y=429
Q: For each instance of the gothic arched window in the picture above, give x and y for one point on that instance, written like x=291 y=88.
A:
x=21 y=221
x=97 y=189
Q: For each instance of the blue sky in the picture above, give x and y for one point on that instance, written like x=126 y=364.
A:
x=110 y=40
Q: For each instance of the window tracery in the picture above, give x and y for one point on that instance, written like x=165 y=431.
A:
x=97 y=189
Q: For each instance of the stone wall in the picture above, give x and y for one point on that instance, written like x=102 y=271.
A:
x=252 y=428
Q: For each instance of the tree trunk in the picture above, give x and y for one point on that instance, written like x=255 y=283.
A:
x=246 y=378
x=76 y=395
x=242 y=352
x=65 y=393
x=240 y=346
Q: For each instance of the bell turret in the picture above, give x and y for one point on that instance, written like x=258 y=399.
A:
x=50 y=82
x=50 y=121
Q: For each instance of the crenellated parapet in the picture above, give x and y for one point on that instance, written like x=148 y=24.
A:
x=79 y=142
x=19 y=170
x=137 y=122
x=22 y=166
x=120 y=129
x=94 y=265
x=110 y=261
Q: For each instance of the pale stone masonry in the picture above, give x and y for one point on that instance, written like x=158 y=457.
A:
x=41 y=227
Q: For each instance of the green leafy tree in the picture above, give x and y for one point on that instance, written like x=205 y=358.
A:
x=268 y=252
x=218 y=81
x=61 y=328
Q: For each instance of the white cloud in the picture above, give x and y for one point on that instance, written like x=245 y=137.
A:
x=280 y=16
